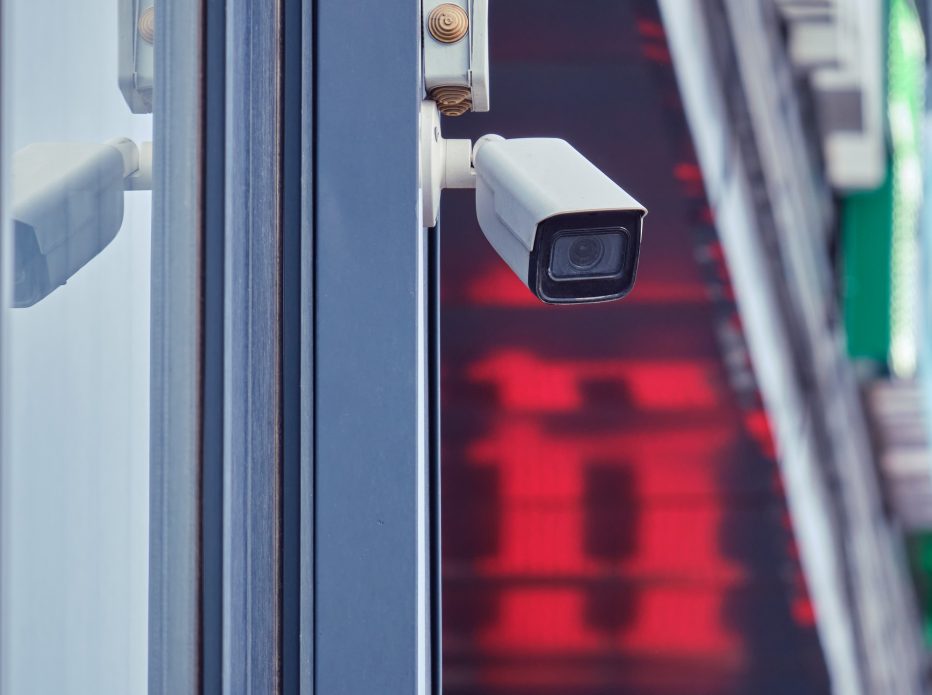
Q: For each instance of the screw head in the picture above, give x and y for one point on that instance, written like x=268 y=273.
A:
x=146 y=25
x=448 y=23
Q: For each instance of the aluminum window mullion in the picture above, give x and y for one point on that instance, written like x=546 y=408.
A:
x=174 y=627
x=253 y=361
x=371 y=584
x=306 y=356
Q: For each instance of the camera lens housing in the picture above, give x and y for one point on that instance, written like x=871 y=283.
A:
x=585 y=256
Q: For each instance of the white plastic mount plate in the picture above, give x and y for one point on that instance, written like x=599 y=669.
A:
x=444 y=163
x=464 y=63
x=136 y=56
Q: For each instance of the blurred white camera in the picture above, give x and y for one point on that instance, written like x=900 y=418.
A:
x=67 y=206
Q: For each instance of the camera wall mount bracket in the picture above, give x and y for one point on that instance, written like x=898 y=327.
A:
x=137 y=163
x=455 y=39
x=136 y=58
x=444 y=163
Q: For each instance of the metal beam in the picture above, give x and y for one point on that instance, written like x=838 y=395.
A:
x=253 y=453
x=176 y=360
x=371 y=407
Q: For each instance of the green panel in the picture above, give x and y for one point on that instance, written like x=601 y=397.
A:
x=880 y=227
x=920 y=565
x=866 y=245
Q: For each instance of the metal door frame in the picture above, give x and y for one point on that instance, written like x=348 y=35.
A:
x=291 y=409
x=176 y=357
x=291 y=385
x=228 y=253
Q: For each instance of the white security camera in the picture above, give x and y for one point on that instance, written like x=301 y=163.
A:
x=67 y=206
x=566 y=230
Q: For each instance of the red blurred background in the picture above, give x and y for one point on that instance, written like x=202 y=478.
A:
x=613 y=519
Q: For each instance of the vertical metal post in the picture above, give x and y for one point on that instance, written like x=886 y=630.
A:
x=296 y=245
x=371 y=591
x=306 y=502
x=175 y=472
x=434 y=488
x=253 y=453
x=213 y=308
x=227 y=318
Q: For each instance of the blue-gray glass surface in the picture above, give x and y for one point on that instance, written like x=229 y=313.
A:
x=76 y=351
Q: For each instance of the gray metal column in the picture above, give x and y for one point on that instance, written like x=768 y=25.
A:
x=174 y=462
x=371 y=431
x=306 y=356
x=253 y=457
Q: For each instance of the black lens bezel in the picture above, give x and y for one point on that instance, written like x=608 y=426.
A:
x=585 y=290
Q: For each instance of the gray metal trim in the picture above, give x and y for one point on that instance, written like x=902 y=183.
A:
x=296 y=240
x=174 y=625
x=252 y=385
x=435 y=470
x=213 y=309
x=306 y=645
x=370 y=411
x=6 y=299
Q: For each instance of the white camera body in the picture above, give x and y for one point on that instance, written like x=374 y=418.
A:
x=566 y=230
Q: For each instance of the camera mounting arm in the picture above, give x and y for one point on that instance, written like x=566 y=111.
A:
x=455 y=43
x=137 y=163
x=444 y=163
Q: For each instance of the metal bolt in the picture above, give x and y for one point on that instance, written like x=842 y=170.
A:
x=448 y=23
x=146 y=25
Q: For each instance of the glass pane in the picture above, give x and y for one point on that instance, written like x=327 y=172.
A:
x=75 y=326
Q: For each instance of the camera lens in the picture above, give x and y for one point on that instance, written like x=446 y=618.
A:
x=586 y=252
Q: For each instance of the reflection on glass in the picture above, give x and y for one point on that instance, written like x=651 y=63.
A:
x=67 y=205
x=76 y=89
